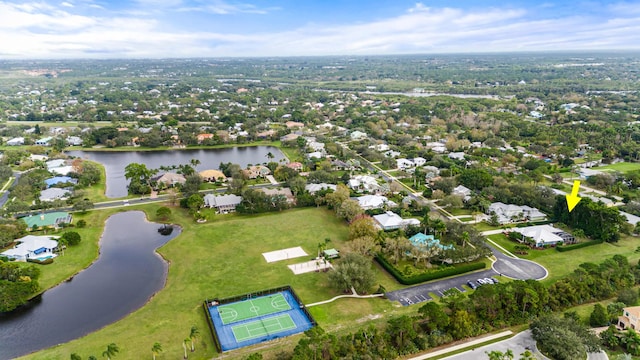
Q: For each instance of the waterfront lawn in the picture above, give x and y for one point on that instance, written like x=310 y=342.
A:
x=223 y=258
x=96 y=192
x=76 y=257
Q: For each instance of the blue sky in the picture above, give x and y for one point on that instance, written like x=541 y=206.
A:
x=224 y=28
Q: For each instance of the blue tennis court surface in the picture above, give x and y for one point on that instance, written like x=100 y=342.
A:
x=255 y=319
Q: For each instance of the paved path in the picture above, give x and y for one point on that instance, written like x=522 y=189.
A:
x=353 y=294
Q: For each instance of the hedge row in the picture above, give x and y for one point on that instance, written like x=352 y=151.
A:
x=420 y=278
x=563 y=248
x=41 y=262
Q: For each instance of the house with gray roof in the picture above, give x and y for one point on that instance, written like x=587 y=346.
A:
x=509 y=213
x=392 y=221
x=53 y=193
x=314 y=188
x=222 y=203
x=33 y=247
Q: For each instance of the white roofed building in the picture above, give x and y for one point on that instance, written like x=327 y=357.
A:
x=33 y=247
x=391 y=221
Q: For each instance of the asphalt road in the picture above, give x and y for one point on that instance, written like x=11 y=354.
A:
x=518 y=344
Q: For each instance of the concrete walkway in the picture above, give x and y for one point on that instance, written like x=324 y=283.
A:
x=462 y=346
x=353 y=294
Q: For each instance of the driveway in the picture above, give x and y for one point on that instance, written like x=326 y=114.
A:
x=514 y=268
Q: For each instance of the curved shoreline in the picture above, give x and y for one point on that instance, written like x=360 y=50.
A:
x=76 y=308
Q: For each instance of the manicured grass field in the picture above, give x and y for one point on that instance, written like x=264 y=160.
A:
x=560 y=264
x=621 y=166
x=223 y=258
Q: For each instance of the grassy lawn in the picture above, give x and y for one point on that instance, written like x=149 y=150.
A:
x=483 y=226
x=96 y=193
x=560 y=264
x=222 y=258
x=621 y=167
x=75 y=257
x=458 y=212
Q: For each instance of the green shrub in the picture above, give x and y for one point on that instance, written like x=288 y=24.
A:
x=41 y=262
x=563 y=248
x=433 y=275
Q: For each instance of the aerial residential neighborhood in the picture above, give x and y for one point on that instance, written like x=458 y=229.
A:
x=319 y=180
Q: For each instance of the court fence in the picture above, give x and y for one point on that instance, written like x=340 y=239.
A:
x=217 y=301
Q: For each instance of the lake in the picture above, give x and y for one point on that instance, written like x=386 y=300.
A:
x=124 y=277
x=115 y=161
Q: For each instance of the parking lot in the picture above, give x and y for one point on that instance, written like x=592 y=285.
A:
x=504 y=265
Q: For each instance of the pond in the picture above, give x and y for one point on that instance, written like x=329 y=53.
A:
x=124 y=277
x=115 y=161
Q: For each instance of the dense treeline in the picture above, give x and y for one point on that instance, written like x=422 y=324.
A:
x=17 y=284
x=489 y=308
x=598 y=221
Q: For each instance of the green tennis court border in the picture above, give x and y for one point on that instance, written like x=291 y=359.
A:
x=252 y=308
x=299 y=311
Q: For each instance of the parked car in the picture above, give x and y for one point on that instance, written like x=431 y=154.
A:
x=472 y=285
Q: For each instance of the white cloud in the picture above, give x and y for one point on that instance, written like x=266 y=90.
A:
x=38 y=30
x=66 y=4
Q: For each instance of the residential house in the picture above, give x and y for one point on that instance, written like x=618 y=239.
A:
x=222 y=203
x=430 y=172
x=462 y=191
x=256 y=171
x=60 y=180
x=294 y=124
x=404 y=164
x=629 y=318
x=52 y=164
x=74 y=141
x=62 y=170
x=428 y=242
x=289 y=137
x=419 y=161
x=545 y=235
x=36 y=157
x=314 y=188
x=358 y=135
x=52 y=194
x=368 y=202
x=33 y=247
x=202 y=137
x=212 y=175
x=297 y=166
x=380 y=147
x=169 y=179
x=286 y=192
x=456 y=156
x=392 y=221
x=315 y=155
x=52 y=219
x=363 y=183
x=45 y=141
x=508 y=213
x=16 y=141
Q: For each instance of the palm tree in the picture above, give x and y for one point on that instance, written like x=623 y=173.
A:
x=194 y=163
x=156 y=349
x=75 y=356
x=193 y=335
x=184 y=346
x=112 y=350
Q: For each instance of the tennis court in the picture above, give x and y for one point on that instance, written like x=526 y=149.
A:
x=263 y=327
x=252 y=308
x=250 y=319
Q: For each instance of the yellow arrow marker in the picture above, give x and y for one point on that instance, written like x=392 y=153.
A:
x=573 y=199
